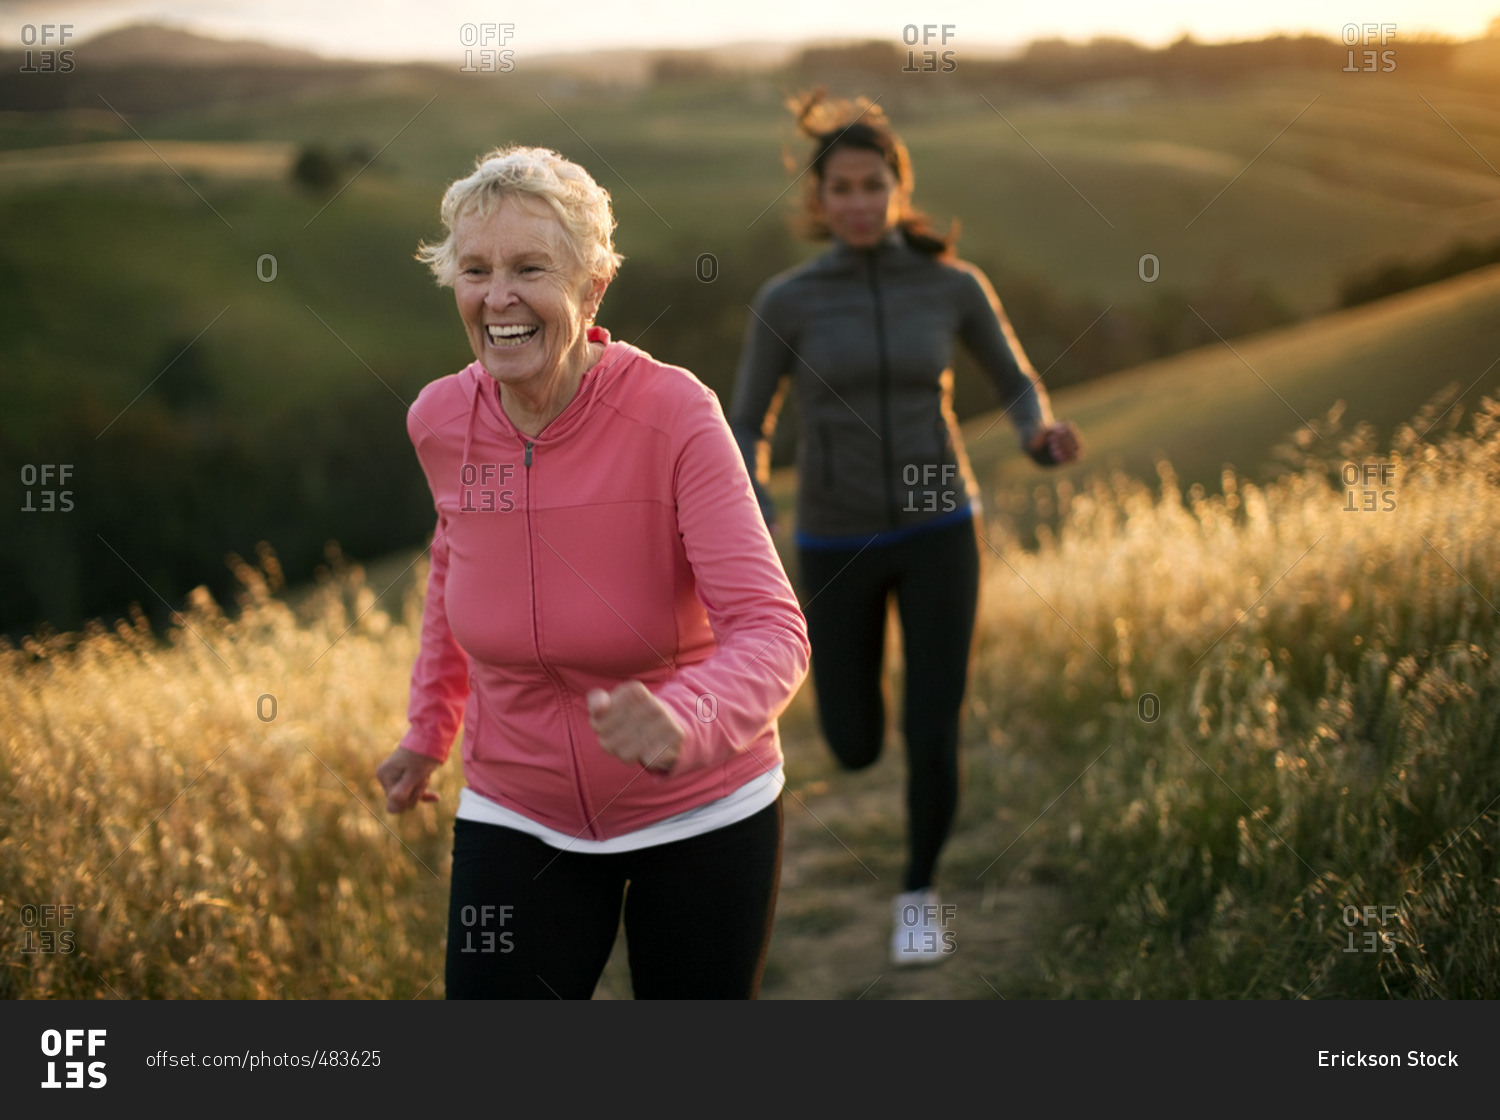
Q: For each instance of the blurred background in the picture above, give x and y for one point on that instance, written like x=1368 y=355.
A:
x=212 y=312
x=1246 y=249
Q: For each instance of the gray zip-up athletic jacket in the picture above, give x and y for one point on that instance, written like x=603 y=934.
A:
x=866 y=336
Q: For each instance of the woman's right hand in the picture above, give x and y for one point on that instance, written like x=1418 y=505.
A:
x=403 y=776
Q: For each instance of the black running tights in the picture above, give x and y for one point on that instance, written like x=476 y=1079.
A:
x=934 y=576
x=529 y=921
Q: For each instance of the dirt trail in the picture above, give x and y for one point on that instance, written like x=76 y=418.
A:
x=841 y=868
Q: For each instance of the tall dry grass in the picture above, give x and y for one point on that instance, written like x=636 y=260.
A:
x=1326 y=737
x=206 y=850
x=1328 y=732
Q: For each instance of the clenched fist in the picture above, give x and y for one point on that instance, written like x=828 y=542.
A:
x=1055 y=444
x=634 y=726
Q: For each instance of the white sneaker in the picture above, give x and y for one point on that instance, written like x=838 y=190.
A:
x=920 y=935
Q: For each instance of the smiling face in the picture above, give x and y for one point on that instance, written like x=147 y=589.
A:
x=523 y=297
x=860 y=198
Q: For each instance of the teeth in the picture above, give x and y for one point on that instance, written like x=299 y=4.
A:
x=511 y=334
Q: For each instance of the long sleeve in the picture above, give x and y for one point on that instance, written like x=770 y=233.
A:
x=759 y=389
x=726 y=700
x=440 y=676
x=986 y=331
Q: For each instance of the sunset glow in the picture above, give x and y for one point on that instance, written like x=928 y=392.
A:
x=395 y=29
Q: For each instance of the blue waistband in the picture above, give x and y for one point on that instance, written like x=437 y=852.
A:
x=888 y=536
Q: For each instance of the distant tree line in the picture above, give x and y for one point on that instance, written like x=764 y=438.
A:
x=149 y=89
x=1052 y=65
x=1390 y=277
x=1044 y=66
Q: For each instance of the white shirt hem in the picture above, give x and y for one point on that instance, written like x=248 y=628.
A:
x=730 y=809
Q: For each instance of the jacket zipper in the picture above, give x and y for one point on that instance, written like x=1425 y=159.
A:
x=885 y=394
x=536 y=638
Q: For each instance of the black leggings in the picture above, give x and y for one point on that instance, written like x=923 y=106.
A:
x=529 y=921
x=935 y=578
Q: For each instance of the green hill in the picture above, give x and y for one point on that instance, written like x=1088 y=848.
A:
x=1215 y=407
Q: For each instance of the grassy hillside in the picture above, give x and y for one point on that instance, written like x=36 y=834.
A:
x=281 y=418
x=1368 y=171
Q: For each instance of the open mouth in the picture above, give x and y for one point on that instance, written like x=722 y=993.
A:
x=507 y=336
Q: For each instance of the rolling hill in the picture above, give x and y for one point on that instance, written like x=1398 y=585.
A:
x=143 y=336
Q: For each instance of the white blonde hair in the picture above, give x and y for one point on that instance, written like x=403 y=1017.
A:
x=580 y=204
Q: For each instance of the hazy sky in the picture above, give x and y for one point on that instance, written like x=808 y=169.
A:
x=434 y=29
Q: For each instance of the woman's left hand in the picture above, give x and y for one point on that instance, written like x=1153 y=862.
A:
x=1059 y=440
x=634 y=726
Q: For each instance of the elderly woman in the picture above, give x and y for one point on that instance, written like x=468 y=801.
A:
x=606 y=612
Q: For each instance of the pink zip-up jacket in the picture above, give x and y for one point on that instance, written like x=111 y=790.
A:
x=623 y=542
